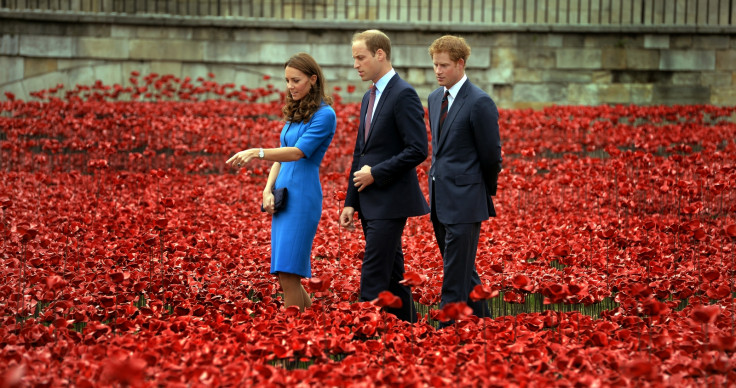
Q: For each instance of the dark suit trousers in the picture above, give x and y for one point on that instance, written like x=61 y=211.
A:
x=383 y=265
x=458 y=245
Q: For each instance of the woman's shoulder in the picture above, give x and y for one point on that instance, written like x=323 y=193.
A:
x=325 y=108
x=325 y=111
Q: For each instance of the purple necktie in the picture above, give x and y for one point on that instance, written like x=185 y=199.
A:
x=369 y=112
x=443 y=112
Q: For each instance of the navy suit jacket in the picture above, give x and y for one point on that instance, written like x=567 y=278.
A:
x=466 y=157
x=397 y=143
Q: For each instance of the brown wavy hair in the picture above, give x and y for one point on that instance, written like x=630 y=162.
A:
x=303 y=109
x=456 y=47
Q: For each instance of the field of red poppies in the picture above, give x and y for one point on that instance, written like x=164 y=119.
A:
x=133 y=256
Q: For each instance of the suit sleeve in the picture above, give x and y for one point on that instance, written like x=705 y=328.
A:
x=409 y=115
x=484 y=119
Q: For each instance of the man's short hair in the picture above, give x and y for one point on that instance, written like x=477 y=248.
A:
x=454 y=46
x=374 y=40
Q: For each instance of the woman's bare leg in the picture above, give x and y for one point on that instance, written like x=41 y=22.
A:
x=294 y=292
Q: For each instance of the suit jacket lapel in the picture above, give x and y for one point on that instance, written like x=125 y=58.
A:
x=434 y=119
x=457 y=104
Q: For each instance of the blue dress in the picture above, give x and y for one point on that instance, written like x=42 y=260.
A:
x=293 y=228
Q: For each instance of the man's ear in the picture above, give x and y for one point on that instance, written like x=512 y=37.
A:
x=380 y=54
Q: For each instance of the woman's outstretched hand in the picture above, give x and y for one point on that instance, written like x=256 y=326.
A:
x=243 y=157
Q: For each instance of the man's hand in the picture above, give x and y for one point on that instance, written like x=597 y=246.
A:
x=346 y=218
x=363 y=178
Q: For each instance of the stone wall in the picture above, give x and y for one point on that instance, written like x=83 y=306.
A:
x=520 y=69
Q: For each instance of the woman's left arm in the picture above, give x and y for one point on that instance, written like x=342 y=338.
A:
x=282 y=154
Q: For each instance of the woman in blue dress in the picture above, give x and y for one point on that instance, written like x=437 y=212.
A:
x=308 y=131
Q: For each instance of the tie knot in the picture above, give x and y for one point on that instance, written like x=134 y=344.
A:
x=447 y=93
x=373 y=89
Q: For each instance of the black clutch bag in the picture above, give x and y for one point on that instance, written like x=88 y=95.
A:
x=279 y=199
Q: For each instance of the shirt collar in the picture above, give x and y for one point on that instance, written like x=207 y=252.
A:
x=456 y=88
x=381 y=84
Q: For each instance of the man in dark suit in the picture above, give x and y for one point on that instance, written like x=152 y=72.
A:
x=466 y=161
x=384 y=188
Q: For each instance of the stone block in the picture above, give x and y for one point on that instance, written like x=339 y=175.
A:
x=416 y=76
x=613 y=58
x=502 y=92
x=692 y=60
x=641 y=93
x=723 y=95
x=656 y=41
x=541 y=59
x=554 y=40
x=45 y=81
x=567 y=76
x=233 y=52
x=277 y=54
x=726 y=59
x=675 y=94
x=35 y=66
x=582 y=94
x=526 y=105
x=503 y=58
x=422 y=91
x=63 y=64
x=327 y=55
x=401 y=56
x=503 y=39
x=606 y=41
x=527 y=75
x=151 y=32
x=106 y=48
x=502 y=75
x=343 y=39
x=716 y=78
x=123 y=31
x=152 y=49
x=480 y=57
x=164 y=68
x=712 y=42
x=613 y=94
x=91 y=30
x=211 y=34
x=532 y=40
x=109 y=73
x=9 y=45
x=680 y=42
x=573 y=40
x=16 y=88
x=539 y=92
x=588 y=58
x=46 y=46
x=642 y=59
x=13 y=69
x=602 y=77
x=432 y=78
x=686 y=78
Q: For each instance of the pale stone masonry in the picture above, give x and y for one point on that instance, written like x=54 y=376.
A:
x=519 y=68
